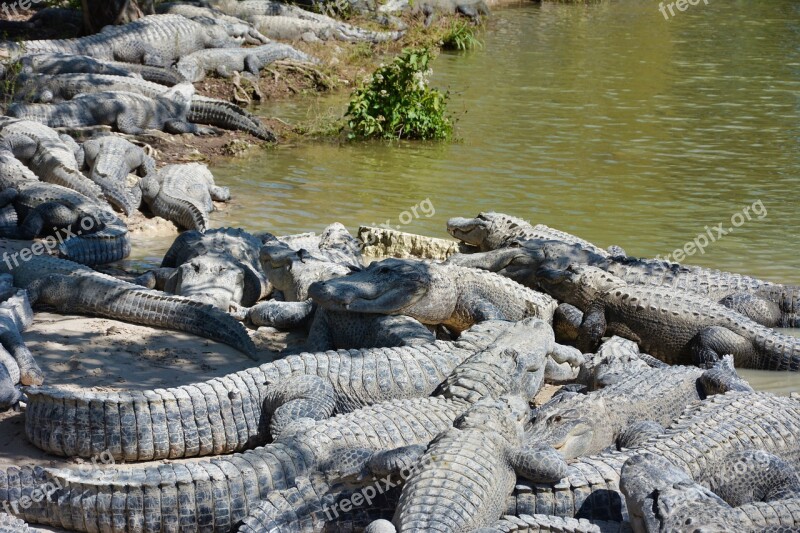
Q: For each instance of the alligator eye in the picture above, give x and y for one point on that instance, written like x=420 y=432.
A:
x=556 y=418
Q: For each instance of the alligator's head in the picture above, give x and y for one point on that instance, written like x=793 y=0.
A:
x=513 y=364
x=294 y=271
x=504 y=416
x=388 y=287
x=572 y=425
x=487 y=231
x=662 y=497
x=576 y=284
x=211 y=280
x=339 y=246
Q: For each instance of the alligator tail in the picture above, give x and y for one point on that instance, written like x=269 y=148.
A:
x=221 y=115
x=110 y=244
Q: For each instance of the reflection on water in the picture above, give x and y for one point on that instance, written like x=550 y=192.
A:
x=605 y=120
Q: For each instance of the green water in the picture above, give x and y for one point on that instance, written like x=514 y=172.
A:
x=606 y=121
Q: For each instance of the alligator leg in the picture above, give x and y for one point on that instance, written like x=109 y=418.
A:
x=566 y=322
x=711 y=343
x=179 y=126
x=755 y=308
x=281 y=315
x=592 y=328
x=10 y=338
x=304 y=396
x=638 y=433
x=541 y=463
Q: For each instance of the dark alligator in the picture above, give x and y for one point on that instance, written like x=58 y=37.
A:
x=74 y=288
x=770 y=304
x=675 y=326
x=54 y=63
x=432 y=293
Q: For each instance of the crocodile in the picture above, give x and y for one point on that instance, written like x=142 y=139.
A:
x=202 y=110
x=708 y=430
x=218 y=267
x=215 y=495
x=74 y=288
x=183 y=194
x=126 y=112
x=109 y=160
x=584 y=424
x=226 y=61
x=768 y=303
x=675 y=326
x=157 y=40
x=55 y=63
x=432 y=293
x=663 y=496
x=74 y=226
x=491 y=231
x=235 y=402
x=46 y=154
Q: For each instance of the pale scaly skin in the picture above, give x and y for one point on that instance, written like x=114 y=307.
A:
x=706 y=432
x=54 y=63
x=227 y=414
x=233 y=485
x=762 y=494
x=432 y=293
x=490 y=231
x=677 y=327
x=226 y=61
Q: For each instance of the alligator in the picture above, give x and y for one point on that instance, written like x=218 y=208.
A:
x=473 y=9
x=491 y=231
x=74 y=226
x=218 y=267
x=46 y=154
x=202 y=110
x=677 y=327
x=183 y=194
x=584 y=424
x=663 y=496
x=110 y=159
x=74 y=288
x=226 y=61
x=157 y=40
x=126 y=112
x=16 y=315
x=55 y=63
x=208 y=15
x=232 y=486
x=615 y=361
x=432 y=293
x=468 y=472
x=708 y=430
x=282 y=21
x=332 y=330
x=235 y=402
x=770 y=304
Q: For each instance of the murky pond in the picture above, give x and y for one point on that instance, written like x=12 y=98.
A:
x=606 y=121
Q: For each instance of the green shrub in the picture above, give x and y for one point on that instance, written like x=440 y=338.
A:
x=396 y=102
x=461 y=36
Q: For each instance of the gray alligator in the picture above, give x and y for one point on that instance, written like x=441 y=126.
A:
x=74 y=288
x=54 y=63
x=124 y=111
x=219 y=267
x=707 y=431
x=282 y=21
x=762 y=493
x=110 y=159
x=208 y=15
x=677 y=327
x=230 y=409
x=202 y=110
x=46 y=154
x=183 y=194
x=76 y=227
x=433 y=294
x=155 y=40
x=770 y=304
x=584 y=424
x=234 y=485
x=226 y=61
x=491 y=231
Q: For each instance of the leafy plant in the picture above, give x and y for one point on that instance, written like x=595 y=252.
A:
x=397 y=103
x=461 y=36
